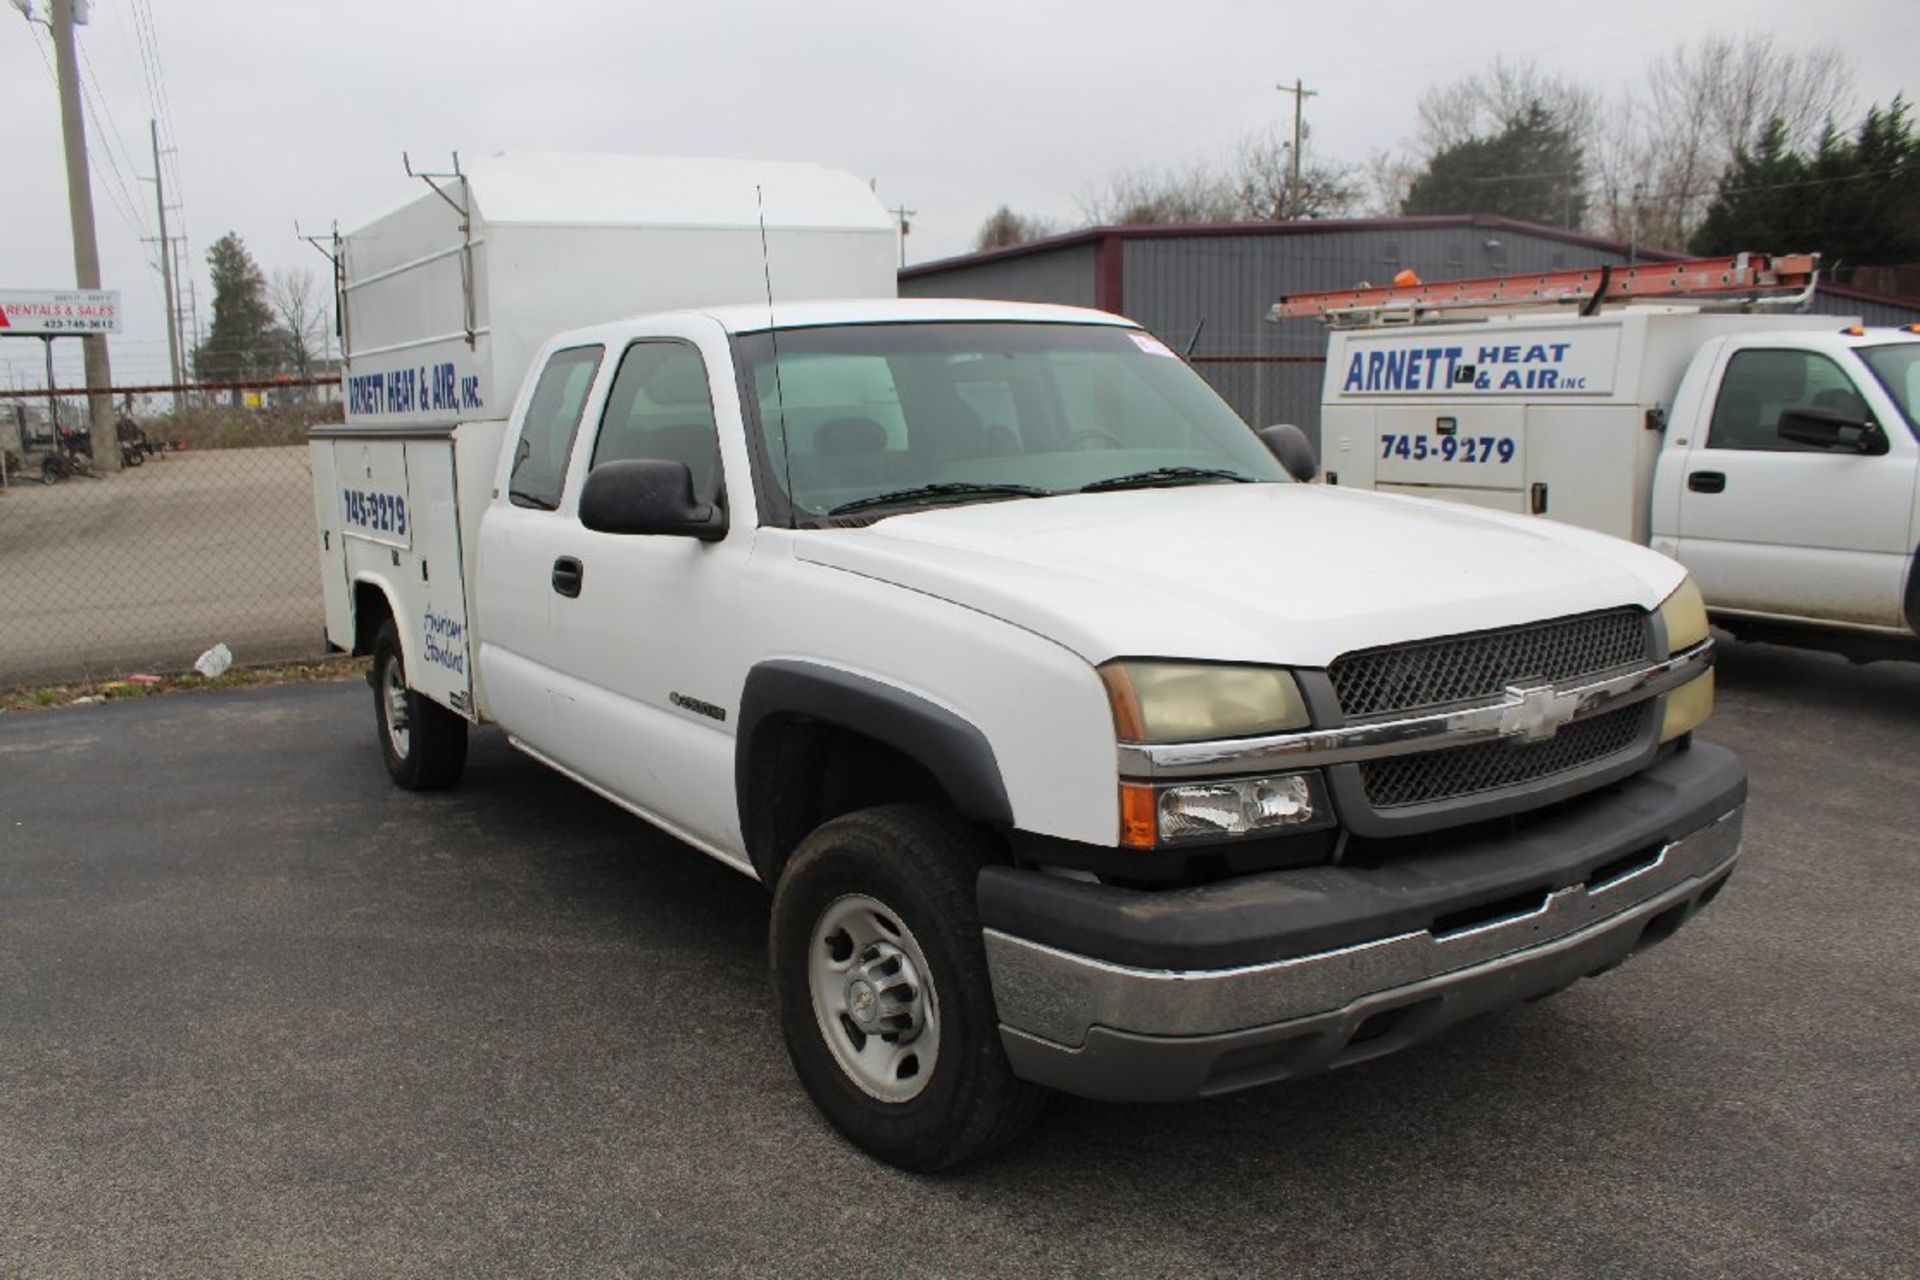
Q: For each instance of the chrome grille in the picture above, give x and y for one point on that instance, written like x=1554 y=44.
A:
x=1464 y=668
x=1398 y=781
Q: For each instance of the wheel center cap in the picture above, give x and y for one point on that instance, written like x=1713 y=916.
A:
x=862 y=1002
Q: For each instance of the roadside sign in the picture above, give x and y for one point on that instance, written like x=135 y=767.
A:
x=36 y=313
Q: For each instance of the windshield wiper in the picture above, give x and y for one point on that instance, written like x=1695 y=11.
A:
x=946 y=489
x=1163 y=475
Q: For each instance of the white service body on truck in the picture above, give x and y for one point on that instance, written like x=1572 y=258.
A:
x=1081 y=745
x=1659 y=424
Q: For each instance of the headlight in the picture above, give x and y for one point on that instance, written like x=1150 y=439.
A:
x=1685 y=616
x=1194 y=701
x=1154 y=816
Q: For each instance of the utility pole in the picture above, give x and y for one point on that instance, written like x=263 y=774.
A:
x=86 y=253
x=901 y=214
x=1300 y=95
x=166 y=265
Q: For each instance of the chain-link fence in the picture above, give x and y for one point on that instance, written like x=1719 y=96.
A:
x=208 y=538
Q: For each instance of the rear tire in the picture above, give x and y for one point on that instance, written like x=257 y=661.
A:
x=424 y=744
x=883 y=989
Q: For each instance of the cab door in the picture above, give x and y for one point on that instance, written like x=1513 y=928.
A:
x=1775 y=527
x=653 y=642
x=520 y=566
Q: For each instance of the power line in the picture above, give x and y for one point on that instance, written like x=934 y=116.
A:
x=143 y=10
x=1716 y=190
x=101 y=106
x=114 y=198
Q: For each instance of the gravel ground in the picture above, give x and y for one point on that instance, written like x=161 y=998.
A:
x=146 y=569
x=263 y=1014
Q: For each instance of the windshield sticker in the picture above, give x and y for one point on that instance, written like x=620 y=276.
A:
x=1152 y=345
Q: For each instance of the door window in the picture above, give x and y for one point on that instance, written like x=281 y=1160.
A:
x=660 y=408
x=1760 y=385
x=546 y=437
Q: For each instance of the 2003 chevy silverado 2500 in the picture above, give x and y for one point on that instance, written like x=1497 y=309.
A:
x=1082 y=745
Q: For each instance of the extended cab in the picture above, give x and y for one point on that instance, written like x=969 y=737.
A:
x=1081 y=745
x=1776 y=456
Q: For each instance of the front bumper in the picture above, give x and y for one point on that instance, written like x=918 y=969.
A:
x=1126 y=995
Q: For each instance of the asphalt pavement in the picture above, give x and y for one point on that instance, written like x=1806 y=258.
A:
x=263 y=1014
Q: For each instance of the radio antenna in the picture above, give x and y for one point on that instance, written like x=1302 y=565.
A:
x=773 y=337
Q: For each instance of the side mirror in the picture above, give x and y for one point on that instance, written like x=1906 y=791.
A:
x=1831 y=429
x=648 y=496
x=1290 y=445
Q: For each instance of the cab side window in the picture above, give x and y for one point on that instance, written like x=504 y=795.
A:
x=660 y=407
x=546 y=437
x=1760 y=385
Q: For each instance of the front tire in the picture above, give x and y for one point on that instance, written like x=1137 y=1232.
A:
x=424 y=744
x=883 y=989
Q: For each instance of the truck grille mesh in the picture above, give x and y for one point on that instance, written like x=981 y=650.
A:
x=1491 y=766
x=1464 y=668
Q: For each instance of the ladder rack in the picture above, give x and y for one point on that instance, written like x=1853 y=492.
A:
x=1749 y=279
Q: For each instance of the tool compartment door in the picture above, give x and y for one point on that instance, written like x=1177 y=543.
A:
x=443 y=666
x=1451 y=446
x=1592 y=466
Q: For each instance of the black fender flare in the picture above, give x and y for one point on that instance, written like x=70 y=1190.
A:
x=954 y=751
x=1912 y=602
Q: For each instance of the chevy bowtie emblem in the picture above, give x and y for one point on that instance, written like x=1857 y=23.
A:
x=1533 y=713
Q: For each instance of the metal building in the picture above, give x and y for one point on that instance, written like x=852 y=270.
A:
x=1218 y=280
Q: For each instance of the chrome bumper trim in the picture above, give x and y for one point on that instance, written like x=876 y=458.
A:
x=1522 y=714
x=1057 y=996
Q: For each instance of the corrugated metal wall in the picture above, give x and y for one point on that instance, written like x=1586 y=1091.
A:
x=1873 y=313
x=1272 y=372
x=1171 y=284
x=1060 y=275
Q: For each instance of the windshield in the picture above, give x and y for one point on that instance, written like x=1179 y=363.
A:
x=1897 y=365
x=945 y=413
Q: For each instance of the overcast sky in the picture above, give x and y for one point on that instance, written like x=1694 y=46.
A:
x=285 y=111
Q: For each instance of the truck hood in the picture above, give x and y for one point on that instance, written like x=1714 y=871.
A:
x=1274 y=573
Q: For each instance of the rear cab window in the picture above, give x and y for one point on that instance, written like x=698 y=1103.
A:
x=546 y=435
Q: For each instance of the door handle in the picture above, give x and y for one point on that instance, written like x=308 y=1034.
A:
x=1707 y=481
x=568 y=575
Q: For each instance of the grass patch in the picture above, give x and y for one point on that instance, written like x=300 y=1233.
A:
x=225 y=427
x=92 y=692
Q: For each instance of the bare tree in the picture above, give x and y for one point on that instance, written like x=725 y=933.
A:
x=1004 y=227
x=1261 y=178
x=1197 y=193
x=295 y=297
x=1483 y=103
x=1663 y=151
x=1386 y=179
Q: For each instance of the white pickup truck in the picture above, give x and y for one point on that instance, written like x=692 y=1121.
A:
x=1081 y=746
x=1776 y=456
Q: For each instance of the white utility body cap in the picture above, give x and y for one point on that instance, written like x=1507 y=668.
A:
x=448 y=297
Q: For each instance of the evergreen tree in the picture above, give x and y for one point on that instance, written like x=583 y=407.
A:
x=244 y=342
x=1855 y=200
x=1533 y=169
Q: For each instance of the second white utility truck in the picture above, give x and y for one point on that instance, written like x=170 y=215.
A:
x=1776 y=456
x=1081 y=746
